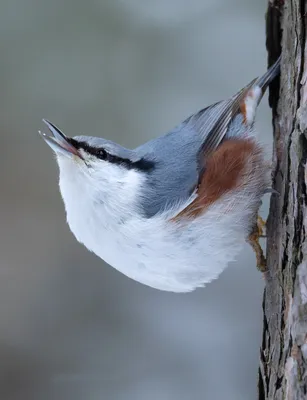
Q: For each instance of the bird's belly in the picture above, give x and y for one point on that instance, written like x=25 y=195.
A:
x=167 y=256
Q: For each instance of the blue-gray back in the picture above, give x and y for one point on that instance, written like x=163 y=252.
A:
x=176 y=169
x=179 y=161
x=181 y=154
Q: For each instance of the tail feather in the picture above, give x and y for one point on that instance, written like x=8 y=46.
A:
x=254 y=95
x=264 y=81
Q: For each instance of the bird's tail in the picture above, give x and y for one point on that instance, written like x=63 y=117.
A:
x=264 y=81
x=252 y=94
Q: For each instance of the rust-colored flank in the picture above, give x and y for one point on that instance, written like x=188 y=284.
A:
x=243 y=110
x=224 y=171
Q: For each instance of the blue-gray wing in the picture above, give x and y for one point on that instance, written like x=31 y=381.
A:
x=212 y=123
x=180 y=156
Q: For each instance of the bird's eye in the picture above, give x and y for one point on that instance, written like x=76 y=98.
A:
x=99 y=153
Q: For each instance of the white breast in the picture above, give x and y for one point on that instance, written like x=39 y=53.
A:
x=169 y=256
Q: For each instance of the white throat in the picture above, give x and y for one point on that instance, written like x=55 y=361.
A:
x=98 y=199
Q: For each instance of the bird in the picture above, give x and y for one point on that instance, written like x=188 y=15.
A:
x=175 y=211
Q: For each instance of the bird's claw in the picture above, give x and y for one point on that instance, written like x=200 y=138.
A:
x=261 y=227
x=253 y=239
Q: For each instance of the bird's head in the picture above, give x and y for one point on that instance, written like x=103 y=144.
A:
x=96 y=170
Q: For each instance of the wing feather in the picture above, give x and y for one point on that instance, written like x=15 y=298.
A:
x=213 y=121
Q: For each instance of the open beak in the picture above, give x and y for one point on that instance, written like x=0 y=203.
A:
x=59 y=142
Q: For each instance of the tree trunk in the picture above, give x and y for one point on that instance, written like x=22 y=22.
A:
x=283 y=355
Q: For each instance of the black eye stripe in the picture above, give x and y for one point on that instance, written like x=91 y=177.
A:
x=99 y=152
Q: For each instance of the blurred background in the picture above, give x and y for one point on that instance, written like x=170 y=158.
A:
x=70 y=326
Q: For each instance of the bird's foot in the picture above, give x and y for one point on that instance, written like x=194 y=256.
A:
x=253 y=239
x=261 y=227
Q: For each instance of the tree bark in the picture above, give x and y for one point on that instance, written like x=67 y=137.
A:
x=283 y=354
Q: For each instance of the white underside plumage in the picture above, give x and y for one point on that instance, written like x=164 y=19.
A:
x=172 y=256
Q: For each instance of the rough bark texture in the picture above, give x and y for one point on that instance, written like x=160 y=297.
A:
x=283 y=356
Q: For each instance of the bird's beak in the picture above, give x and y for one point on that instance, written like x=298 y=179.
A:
x=59 y=142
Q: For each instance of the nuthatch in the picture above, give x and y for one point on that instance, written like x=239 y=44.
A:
x=175 y=211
